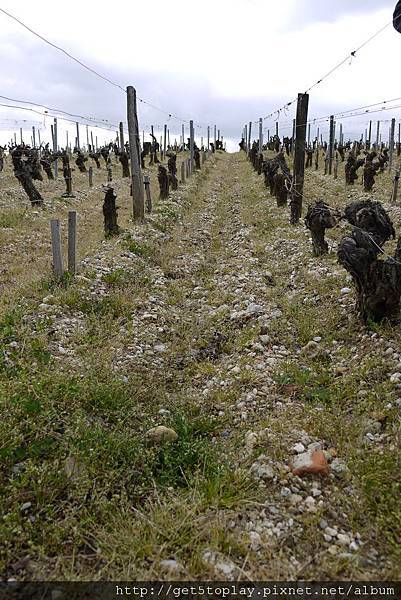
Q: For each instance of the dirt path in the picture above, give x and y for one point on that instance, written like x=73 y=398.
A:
x=199 y=322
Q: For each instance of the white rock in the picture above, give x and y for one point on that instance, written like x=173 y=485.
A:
x=160 y=347
x=221 y=565
x=298 y=448
x=395 y=377
x=254 y=309
x=255 y=540
x=345 y=290
x=343 y=539
x=171 y=566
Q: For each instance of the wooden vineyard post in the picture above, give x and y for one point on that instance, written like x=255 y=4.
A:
x=146 y=182
x=336 y=166
x=214 y=138
x=183 y=172
x=245 y=136
x=78 y=144
x=34 y=136
x=299 y=157
x=87 y=139
x=121 y=128
x=260 y=135
x=377 y=135
x=249 y=136
x=395 y=186
x=183 y=136
x=391 y=144
x=72 y=240
x=20 y=134
x=208 y=138
x=331 y=144
x=56 y=248
x=317 y=157
x=90 y=172
x=191 y=147
x=293 y=136
x=399 y=140
x=164 y=142
x=136 y=174
x=369 y=135
x=55 y=148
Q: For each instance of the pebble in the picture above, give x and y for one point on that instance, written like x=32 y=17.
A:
x=298 y=448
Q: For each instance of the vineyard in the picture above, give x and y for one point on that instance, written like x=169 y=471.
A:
x=200 y=367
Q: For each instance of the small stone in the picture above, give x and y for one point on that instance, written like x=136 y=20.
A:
x=285 y=491
x=339 y=468
x=254 y=309
x=220 y=564
x=310 y=462
x=171 y=566
x=346 y=290
x=295 y=498
x=331 y=531
x=265 y=339
x=262 y=471
x=160 y=348
x=160 y=435
x=255 y=540
x=26 y=505
x=298 y=448
x=323 y=524
x=236 y=370
x=353 y=546
x=395 y=377
x=343 y=539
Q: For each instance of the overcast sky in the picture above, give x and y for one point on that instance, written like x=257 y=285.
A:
x=219 y=61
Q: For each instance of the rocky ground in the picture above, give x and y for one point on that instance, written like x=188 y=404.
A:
x=162 y=409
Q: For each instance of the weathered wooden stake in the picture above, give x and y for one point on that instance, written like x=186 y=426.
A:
x=299 y=157
x=214 y=138
x=56 y=248
x=377 y=134
x=208 y=138
x=87 y=138
x=90 y=171
x=293 y=135
x=191 y=147
x=164 y=141
x=72 y=240
x=34 y=136
x=136 y=174
x=396 y=179
x=20 y=133
x=121 y=126
x=146 y=182
x=78 y=144
x=55 y=148
x=249 y=136
x=183 y=172
x=336 y=166
x=331 y=143
x=391 y=144
x=183 y=137
x=260 y=135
